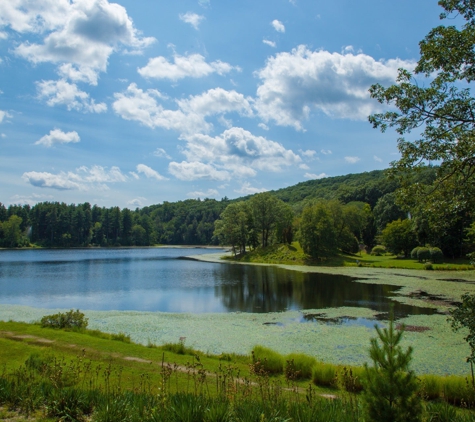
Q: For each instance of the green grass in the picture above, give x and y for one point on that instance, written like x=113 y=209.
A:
x=294 y=255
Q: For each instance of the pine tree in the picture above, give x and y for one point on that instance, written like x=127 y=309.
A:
x=389 y=386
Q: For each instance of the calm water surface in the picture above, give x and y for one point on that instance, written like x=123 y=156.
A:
x=156 y=279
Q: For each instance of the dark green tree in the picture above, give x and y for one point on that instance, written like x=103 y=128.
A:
x=390 y=387
x=398 y=236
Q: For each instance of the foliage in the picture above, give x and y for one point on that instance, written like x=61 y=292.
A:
x=437 y=98
x=298 y=366
x=398 y=237
x=463 y=316
x=390 y=387
x=423 y=254
x=436 y=255
x=234 y=226
x=267 y=360
x=70 y=319
x=378 y=250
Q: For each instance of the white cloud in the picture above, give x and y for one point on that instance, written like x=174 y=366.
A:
x=142 y=106
x=196 y=170
x=57 y=136
x=81 y=74
x=315 y=176
x=160 y=152
x=192 y=18
x=3 y=115
x=304 y=167
x=30 y=199
x=134 y=175
x=191 y=66
x=278 y=25
x=309 y=153
x=269 y=43
x=61 y=92
x=216 y=101
x=325 y=151
x=247 y=189
x=83 y=33
x=84 y=178
x=263 y=126
x=149 y=172
x=352 y=160
x=240 y=152
x=295 y=83
x=376 y=158
x=137 y=202
x=210 y=193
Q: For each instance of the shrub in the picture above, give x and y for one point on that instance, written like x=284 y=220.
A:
x=267 y=360
x=414 y=252
x=324 y=374
x=298 y=366
x=428 y=266
x=423 y=254
x=70 y=319
x=378 y=250
x=436 y=255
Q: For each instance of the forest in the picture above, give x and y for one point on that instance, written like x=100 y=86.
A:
x=327 y=216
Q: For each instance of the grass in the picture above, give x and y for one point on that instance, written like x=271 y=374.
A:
x=71 y=375
x=294 y=255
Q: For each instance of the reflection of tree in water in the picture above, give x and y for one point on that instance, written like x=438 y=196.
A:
x=270 y=289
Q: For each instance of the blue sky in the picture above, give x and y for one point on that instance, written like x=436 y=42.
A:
x=139 y=102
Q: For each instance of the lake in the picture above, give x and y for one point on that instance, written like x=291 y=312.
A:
x=160 y=279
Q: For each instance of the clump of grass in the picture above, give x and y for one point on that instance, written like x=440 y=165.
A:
x=431 y=386
x=267 y=360
x=458 y=391
x=349 y=378
x=299 y=366
x=180 y=348
x=125 y=338
x=324 y=374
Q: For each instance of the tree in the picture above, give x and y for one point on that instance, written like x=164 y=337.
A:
x=11 y=232
x=318 y=236
x=437 y=99
x=232 y=228
x=398 y=237
x=463 y=317
x=390 y=387
x=265 y=210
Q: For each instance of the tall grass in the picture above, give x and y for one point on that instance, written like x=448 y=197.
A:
x=267 y=360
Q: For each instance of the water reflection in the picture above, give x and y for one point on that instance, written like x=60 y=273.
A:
x=157 y=280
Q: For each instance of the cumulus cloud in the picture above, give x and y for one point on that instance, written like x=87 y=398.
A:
x=57 y=136
x=210 y=193
x=196 y=170
x=294 y=83
x=278 y=25
x=82 y=33
x=61 y=92
x=192 y=18
x=191 y=66
x=160 y=152
x=269 y=43
x=378 y=159
x=149 y=172
x=144 y=107
x=137 y=202
x=309 y=153
x=352 y=160
x=84 y=178
x=315 y=176
x=304 y=166
x=247 y=189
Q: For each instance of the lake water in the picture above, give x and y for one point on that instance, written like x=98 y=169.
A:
x=158 y=279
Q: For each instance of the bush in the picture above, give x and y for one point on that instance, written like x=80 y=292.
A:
x=298 y=366
x=70 y=319
x=267 y=360
x=428 y=266
x=324 y=374
x=436 y=255
x=423 y=254
x=414 y=252
x=378 y=250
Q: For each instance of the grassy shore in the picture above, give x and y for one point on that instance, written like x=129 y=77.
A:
x=88 y=375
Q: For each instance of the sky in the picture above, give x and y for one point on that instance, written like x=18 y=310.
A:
x=133 y=103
